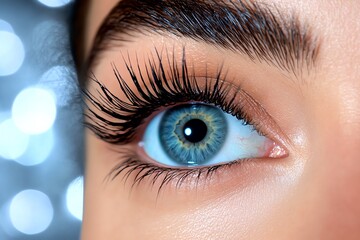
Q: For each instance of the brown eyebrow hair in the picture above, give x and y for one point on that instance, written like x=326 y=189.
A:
x=250 y=28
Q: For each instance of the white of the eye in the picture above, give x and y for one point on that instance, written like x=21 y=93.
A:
x=241 y=142
x=152 y=145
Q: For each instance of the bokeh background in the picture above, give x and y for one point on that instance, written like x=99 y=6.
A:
x=41 y=132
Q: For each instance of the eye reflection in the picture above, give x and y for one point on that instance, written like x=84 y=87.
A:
x=193 y=135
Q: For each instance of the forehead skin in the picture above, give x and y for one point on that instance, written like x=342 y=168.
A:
x=324 y=196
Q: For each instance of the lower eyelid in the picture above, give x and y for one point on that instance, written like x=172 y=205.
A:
x=156 y=181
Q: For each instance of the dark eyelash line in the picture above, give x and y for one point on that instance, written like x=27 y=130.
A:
x=115 y=121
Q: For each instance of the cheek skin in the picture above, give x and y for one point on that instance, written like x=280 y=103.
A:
x=325 y=204
x=337 y=163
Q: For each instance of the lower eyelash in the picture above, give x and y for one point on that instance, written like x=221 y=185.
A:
x=140 y=171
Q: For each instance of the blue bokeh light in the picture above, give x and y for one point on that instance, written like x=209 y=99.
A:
x=74 y=197
x=31 y=212
x=55 y=3
x=34 y=110
x=13 y=142
x=41 y=143
x=5 y=26
x=12 y=53
x=39 y=148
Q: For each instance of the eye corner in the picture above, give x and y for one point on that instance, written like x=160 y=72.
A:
x=278 y=151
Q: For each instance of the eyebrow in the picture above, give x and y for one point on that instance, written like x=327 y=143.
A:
x=253 y=29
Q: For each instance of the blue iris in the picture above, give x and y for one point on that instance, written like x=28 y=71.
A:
x=192 y=134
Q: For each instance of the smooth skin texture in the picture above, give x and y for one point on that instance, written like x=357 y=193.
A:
x=313 y=193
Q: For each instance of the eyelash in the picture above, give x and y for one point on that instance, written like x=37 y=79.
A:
x=173 y=176
x=117 y=121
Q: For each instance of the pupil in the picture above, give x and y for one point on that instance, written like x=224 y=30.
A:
x=195 y=130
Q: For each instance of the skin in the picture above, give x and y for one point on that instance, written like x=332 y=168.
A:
x=312 y=193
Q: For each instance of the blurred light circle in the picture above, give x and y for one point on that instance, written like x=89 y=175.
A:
x=55 y=3
x=39 y=148
x=5 y=26
x=13 y=142
x=74 y=197
x=62 y=81
x=12 y=53
x=34 y=110
x=31 y=212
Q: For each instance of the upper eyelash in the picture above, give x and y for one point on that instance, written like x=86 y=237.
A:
x=118 y=119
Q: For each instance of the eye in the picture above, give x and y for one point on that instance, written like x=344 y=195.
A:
x=220 y=125
x=197 y=134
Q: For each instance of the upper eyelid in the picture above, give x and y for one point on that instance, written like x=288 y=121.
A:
x=250 y=28
x=218 y=91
